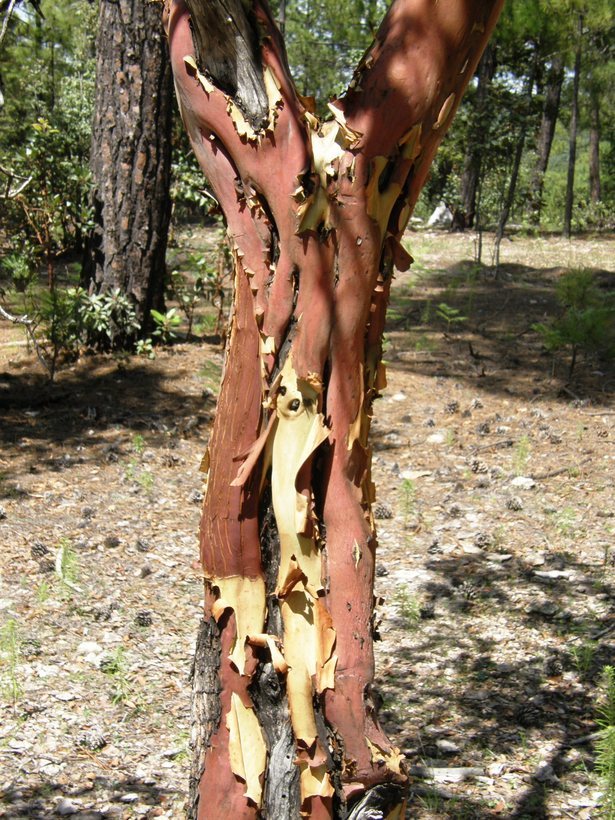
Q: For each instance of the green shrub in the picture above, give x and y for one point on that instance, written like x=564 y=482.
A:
x=587 y=321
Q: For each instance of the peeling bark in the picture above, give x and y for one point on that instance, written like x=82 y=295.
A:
x=315 y=212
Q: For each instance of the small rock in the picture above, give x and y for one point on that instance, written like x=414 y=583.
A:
x=66 y=807
x=523 y=482
x=399 y=397
x=544 y=773
x=130 y=797
x=2 y=513
x=546 y=608
x=143 y=545
x=447 y=746
x=171 y=754
x=89 y=647
x=46 y=565
x=436 y=438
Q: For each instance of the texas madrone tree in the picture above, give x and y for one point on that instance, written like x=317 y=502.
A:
x=284 y=722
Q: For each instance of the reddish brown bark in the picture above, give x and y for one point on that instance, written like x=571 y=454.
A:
x=315 y=214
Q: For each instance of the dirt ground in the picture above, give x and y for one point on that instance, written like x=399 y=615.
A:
x=496 y=562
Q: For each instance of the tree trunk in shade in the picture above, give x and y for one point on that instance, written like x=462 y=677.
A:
x=595 y=192
x=284 y=721
x=574 y=125
x=465 y=215
x=130 y=156
x=548 y=121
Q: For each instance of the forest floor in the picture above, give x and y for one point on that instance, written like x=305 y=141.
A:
x=496 y=565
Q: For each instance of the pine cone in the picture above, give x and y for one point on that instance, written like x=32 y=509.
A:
x=554 y=666
x=38 y=550
x=452 y=407
x=143 y=618
x=30 y=648
x=468 y=590
x=514 y=503
x=381 y=511
x=92 y=739
x=482 y=539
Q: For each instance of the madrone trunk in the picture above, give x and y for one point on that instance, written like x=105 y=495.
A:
x=284 y=719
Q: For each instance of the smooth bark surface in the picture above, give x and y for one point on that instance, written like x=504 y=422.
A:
x=130 y=156
x=315 y=212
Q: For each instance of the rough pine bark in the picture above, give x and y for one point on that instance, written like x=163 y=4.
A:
x=130 y=156
x=465 y=214
x=546 y=133
x=572 y=142
x=595 y=189
x=284 y=721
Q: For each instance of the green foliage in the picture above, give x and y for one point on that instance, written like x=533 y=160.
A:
x=116 y=668
x=70 y=318
x=605 y=745
x=452 y=316
x=408 y=607
x=166 y=324
x=47 y=69
x=587 y=321
x=325 y=41
x=10 y=650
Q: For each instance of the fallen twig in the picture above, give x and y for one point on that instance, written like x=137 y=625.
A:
x=560 y=471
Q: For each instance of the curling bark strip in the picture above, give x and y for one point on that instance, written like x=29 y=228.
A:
x=315 y=212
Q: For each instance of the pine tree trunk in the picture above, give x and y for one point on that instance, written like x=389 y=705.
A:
x=130 y=156
x=550 y=113
x=509 y=199
x=574 y=125
x=284 y=721
x=465 y=215
x=595 y=192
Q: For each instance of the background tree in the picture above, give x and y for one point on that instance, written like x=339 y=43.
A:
x=130 y=158
x=315 y=211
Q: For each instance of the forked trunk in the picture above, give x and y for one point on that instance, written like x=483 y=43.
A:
x=284 y=721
